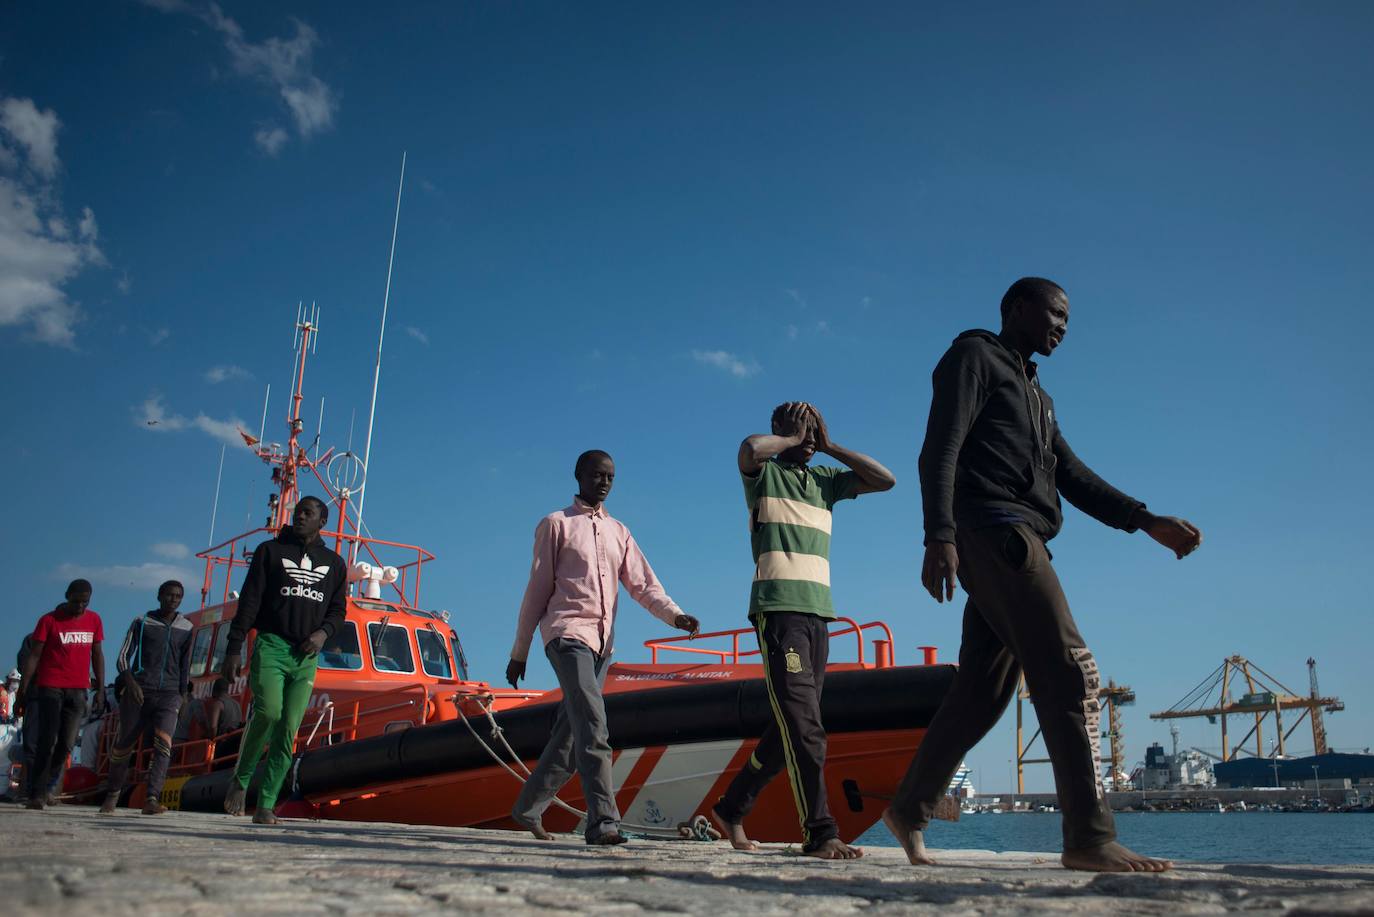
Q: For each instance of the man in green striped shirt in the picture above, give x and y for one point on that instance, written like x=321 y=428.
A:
x=789 y=523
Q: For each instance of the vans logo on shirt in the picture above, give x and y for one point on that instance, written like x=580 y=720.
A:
x=71 y=637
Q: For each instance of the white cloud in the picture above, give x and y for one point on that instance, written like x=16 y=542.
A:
x=152 y=415
x=417 y=334
x=727 y=361
x=217 y=374
x=285 y=64
x=172 y=550
x=158 y=336
x=226 y=431
x=823 y=327
x=124 y=284
x=792 y=332
x=38 y=255
x=796 y=297
x=125 y=576
x=271 y=141
x=34 y=131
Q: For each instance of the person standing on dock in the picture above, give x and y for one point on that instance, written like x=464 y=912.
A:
x=64 y=651
x=993 y=467
x=790 y=506
x=295 y=596
x=154 y=665
x=581 y=556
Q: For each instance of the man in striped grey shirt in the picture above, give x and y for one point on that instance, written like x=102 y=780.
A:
x=789 y=523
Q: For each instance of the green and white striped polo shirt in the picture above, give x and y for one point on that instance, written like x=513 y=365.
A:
x=789 y=525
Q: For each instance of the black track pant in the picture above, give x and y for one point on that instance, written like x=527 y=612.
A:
x=795 y=649
x=60 y=712
x=156 y=717
x=1016 y=618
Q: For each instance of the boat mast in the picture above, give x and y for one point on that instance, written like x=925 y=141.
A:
x=377 y=371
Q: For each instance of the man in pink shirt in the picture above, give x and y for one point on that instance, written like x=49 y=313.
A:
x=581 y=556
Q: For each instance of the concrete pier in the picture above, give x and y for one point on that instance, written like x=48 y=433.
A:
x=68 y=860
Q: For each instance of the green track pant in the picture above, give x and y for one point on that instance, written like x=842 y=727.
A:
x=281 y=679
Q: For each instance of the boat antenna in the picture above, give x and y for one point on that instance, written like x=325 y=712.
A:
x=262 y=428
x=377 y=372
x=214 y=508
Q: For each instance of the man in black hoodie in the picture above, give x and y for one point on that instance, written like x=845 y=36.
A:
x=294 y=595
x=992 y=468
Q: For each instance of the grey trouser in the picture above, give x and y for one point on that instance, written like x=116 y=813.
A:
x=579 y=737
x=1017 y=619
x=156 y=715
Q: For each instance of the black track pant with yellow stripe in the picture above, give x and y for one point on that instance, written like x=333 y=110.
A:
x=795 y=649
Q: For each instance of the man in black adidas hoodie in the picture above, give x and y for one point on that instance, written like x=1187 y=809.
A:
x=993 y=467
x=294 y=596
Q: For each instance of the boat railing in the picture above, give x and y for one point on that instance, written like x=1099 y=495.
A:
x=329 y=724
x=882 y=648
x=227 y=555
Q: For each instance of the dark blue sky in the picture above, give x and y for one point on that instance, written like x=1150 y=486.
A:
x=638 y=227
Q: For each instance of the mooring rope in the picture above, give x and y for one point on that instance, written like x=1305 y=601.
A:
x=698 y=829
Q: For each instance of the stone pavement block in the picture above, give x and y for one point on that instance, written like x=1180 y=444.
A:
x=69 y=861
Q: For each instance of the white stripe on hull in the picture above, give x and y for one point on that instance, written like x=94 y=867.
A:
x=679 y=782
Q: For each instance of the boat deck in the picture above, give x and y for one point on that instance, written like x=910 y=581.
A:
x=68 y=860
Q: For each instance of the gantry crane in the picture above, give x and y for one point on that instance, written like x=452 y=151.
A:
x=1112 y=696
x=1264 y=694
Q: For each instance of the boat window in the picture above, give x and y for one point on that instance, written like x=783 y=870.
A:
x=221 y=641
x=341 y=651
x=458 y=656
x=200 y=650
x=433 y=654
x=390 y=649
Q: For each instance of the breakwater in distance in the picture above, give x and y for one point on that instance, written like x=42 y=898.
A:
x=1202 y=799
x=1286 y=840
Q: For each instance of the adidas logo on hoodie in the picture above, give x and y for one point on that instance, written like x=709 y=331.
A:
x=305 y=576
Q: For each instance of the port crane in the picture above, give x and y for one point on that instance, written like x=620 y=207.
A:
x=1218 y=697
x=1112 y=696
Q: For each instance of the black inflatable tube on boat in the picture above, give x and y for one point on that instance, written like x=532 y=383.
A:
x=854 y=701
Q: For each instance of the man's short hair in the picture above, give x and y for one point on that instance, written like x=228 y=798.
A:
x=1036 y=290
x=168 y=585
x=220 y=687
x=78 y=585
x=589 y=455
x=320 y=504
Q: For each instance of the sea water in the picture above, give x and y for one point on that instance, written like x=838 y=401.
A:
x=1205 y=837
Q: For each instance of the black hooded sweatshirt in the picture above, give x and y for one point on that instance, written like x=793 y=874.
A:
x=994 y=451
x=291 y=590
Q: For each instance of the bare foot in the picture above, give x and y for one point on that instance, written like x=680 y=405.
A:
x=108 y=806
x=535 y=827
x=834 y=849
x=912 y=839
x=264 y=816
x=153 y=807
x=233 y=801
x=1112 y=857
x=732 y=830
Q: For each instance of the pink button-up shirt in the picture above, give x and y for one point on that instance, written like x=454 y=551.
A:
x=581 y=555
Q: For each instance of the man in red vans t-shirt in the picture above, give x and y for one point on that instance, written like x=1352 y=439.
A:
x=66 y=646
